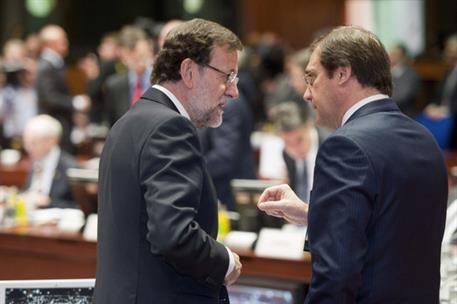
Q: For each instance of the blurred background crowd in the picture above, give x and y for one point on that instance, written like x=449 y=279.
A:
x=70 y=69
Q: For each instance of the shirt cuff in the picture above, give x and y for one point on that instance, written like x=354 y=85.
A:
x=231 y=262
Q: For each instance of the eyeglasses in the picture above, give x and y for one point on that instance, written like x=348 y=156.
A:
x=231 y=78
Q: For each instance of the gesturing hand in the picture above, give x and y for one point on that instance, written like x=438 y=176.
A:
x=281 y=201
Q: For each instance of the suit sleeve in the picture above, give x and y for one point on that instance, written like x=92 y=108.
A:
x=171 y=173
x=50 y=93
x=61 y=193
x=340 y=208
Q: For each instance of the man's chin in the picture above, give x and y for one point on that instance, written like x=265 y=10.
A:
x=215 y=124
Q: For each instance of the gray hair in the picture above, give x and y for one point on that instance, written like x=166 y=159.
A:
x=44 y=126
x=194 y=39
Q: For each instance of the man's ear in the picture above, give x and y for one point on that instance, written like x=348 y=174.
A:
x=187 y=72
x=343 y=74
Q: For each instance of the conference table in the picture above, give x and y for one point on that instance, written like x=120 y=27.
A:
x=42 y=252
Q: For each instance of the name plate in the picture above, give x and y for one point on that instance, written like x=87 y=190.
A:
x=283 y=244
x=90 y=231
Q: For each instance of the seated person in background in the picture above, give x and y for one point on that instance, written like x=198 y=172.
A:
x=406 y=82
x=301 y=141
x=444 y=105
x=446 y=100
x=47 y=184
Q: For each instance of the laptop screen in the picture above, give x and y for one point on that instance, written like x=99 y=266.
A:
x=73 y=291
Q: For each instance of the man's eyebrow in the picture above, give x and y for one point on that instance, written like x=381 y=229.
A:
x=310 y=72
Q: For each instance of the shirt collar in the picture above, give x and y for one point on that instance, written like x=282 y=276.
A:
x=50 y=160
x=360 y=104
x=133 y=77
x=173 y=99
x=53 y=57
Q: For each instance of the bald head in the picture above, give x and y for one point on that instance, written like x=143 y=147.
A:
x=14 y=50
x=55 y=38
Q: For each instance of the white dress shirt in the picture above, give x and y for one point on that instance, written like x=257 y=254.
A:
x=44 y=171
x=360 y=104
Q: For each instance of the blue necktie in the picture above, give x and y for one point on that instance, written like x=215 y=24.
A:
x=301 y=183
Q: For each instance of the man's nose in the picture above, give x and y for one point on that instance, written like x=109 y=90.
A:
x=307 y=96
x=232 y=91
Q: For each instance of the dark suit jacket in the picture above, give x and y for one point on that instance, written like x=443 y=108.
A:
x=157 y=216
x=96 y=87
x=61 y=194
x=291 y=165
x=228 y=151
x=54 y=98
x=405 y=90
x=452 y=106
x=453 y=94
x=117 y=97
x=377 y=211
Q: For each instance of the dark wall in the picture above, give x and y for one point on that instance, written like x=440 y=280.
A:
x=86 y=20
x=441 y=21
x=295 y=21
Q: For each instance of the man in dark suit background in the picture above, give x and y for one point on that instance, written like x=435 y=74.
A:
x=53 y=95
x=47 y=184
x=228 y=151
x=122 y=90
x=157 y=221
x=301 y=142
x=377 y=211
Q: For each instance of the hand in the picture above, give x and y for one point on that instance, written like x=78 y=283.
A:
x=37 y=199
x=281 y=201
x=83 y=103
x=234 y=275
x=436 y=112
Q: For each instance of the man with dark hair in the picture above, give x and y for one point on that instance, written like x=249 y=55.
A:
x=157 y=206
x=124 y=89
x=374 y=205
x=301 y=142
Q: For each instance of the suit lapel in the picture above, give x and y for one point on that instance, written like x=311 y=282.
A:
x=57 y=178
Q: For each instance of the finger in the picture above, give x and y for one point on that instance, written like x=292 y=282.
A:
x=276 y=214
x=272 y=193
x=271 y=205
x=267 y=195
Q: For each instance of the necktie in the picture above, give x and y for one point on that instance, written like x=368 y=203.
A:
x=301 y=182
x=37 y=177
x=137 y=91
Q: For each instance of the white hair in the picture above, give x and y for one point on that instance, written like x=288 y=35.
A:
x=44 y=126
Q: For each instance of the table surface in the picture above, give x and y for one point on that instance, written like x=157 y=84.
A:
x=42 y=252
